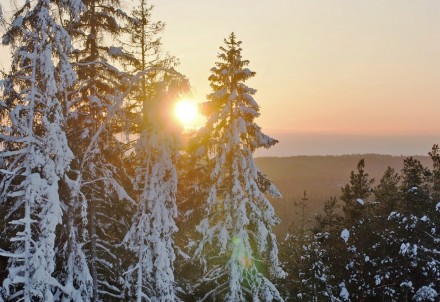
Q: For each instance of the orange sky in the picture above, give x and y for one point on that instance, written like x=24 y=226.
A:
x=325 y=68
x=369 y=68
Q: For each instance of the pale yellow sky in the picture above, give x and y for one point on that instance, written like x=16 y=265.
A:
x=342 y=68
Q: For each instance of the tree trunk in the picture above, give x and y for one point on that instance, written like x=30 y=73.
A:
x=93 y=260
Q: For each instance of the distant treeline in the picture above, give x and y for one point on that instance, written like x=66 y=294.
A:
x=321 y=177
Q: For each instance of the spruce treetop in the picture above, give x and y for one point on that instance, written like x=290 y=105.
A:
x=231 y=104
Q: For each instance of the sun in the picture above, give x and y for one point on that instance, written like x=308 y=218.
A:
x=186 y=112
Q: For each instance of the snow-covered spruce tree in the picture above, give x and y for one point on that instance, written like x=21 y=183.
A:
x=94 y=123
x=357 y=220
x=415 y=240
x=382 y=252
x=153 y=226
x=324 y=273
x=36 y=154
x=190 y=196
x=237 y=240
x=150 y=237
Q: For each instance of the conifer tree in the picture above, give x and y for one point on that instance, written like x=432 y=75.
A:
x=354 y=194
x=151 y=233
x=414 y=186
x=150 y=237
x=435 y=180
x=145 y=47
x=358 y=222
x=414 y=236
x=387 y=193
x=305 y=257
x=236 y=228
x=36 y=154
x=330 y=221
x=95 y=120
x=192 y=168
x=380 y=252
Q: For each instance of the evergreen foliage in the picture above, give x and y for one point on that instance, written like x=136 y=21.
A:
x=36 y=152
x=385 y=249
x=94 y=123
x=236 y=228
x=153 y=226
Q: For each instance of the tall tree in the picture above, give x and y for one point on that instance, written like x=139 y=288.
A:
x=236 y=229
x=145 y=47
x=306 y=256
x=388 y=199
x=357 y=220
x=36 y=152
x=435 y=180
x=153 y=226
x=94 y=123
x=150 y=236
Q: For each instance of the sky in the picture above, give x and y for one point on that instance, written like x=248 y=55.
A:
x=333 y=76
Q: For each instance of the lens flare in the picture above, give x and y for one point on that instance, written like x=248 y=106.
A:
x=186 y=112
x=241 y=254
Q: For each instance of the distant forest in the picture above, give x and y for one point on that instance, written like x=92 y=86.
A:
x=321 y=177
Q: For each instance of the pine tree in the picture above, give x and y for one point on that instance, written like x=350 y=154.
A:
x=387 y=193
x=305 y=256
x=36 y=153
x=415 y=236
x=151 y=233
x=150 y=237
x=330 y=221
x=434 y=215
x=301 y=207
x=325 y=254
x=354 y=194
x=236 y=229
x=292 y=252
x=357 y=220
x=388 y=198
x=95 y=121
x=435 y=180
x=414 y=185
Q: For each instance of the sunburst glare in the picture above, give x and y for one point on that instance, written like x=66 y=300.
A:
x=187 y=113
